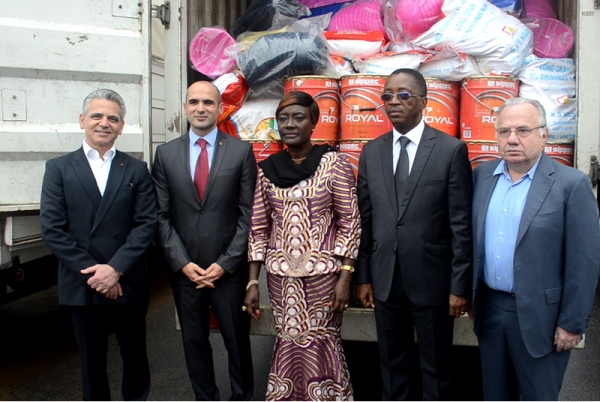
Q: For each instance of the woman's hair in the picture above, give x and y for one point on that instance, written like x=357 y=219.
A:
x=302 y=99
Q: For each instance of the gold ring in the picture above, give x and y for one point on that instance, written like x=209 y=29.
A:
x=244 y=308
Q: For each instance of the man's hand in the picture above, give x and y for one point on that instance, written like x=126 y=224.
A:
x=458 y=306
x=195 y=274
x=565 y=340
x=211 y=274
x=364 y=294
x=104 y=277
x=114 y=292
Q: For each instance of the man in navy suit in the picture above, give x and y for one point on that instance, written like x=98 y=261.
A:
x=98 y=216
x=536 y=259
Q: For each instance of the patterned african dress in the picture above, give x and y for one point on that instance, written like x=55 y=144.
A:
x=301 y=233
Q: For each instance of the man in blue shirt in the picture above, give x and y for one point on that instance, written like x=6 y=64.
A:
x=536 y=259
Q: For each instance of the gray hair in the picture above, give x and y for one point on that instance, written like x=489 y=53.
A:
x=107 y=94
x=521 y=101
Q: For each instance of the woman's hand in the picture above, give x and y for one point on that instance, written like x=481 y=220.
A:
x=341 y=293
x=251 y=302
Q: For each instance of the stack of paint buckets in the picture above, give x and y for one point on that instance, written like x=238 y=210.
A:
x=352 y=113
x=481 y=97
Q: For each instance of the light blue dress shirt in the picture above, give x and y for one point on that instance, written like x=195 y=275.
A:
x=502 y=226
x=195 y=149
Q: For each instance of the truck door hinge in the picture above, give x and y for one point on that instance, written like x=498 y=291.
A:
x=163 y=13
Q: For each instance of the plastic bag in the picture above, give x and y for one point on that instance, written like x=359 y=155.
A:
x=449 y=65
x=552 y=83
x=538 y=9
x=320 y=3
x=354 y=44
x=386 y=63
x=362 y=16
x=268 y=58
x=255 y=120
x=207 y=52
x=234 y=90
x=512 y=7
x=551 y=38
x=498 y=41
x=267 y=14
x=410 y=18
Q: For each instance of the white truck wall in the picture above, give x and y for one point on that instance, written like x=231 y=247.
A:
x=53 y=53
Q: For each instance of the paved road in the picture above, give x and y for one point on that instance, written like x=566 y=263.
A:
x=39 y=358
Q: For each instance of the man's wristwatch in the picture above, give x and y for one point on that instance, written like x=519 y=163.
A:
x=348 y=268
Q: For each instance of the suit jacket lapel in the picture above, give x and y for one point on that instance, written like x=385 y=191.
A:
x=118 y=167
x=219 y=154
x=540 y=187
x=426 y=145
x=84 y=172
x=387 y=167
x=184 y=161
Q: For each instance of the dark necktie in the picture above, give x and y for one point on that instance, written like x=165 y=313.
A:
x=401 y=176
x=201 y=173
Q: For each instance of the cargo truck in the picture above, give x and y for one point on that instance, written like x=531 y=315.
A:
x=53 y=53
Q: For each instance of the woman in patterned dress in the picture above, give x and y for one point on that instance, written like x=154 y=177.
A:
x=305 y=228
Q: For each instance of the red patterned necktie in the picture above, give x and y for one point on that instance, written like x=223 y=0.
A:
x=201 y=173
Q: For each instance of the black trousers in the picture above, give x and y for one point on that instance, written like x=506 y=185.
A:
x=92 y=325
x=509 y=372
x=226 y=300
x=396 y=320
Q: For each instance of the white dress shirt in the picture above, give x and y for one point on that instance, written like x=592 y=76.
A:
x=100 y=167
x=414 y=136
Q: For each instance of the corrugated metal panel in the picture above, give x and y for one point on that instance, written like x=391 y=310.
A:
x=207 y=13
x=567 y=13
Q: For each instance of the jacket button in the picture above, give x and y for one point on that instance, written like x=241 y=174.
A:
x=202 y=212
x=399 y=226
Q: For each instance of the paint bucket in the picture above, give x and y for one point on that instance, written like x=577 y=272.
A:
x=443 y=100
x=363 y=115
x=353 y=149
x=561 y=152
x=480 y=99
x=263 y=149
x=482 y=151
x=325 y=92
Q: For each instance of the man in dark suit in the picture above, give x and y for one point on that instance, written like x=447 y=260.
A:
x=205 y=185
x=414 y=266
x=536 y=259
x=98 y=216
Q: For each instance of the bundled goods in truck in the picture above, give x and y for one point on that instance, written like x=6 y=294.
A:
x=450 y=66
x=268 y=14
x=361 y=16
x=255 y=120
x=207 y=52
x=551 y=38
x=410 y=18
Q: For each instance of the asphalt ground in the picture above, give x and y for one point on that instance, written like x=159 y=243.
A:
x=39 y=359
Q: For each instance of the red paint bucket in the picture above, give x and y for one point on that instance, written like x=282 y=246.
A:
x=480 y=99
x=263 y=149
x=561 y=152
x=363 y=115
x=325 y=91
x=353 y=149
x=482 y=151
x=442 y=111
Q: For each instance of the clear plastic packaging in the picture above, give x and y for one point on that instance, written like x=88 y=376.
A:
x=449 y=65
x=512 y=7
x=268 y=14
x=207 y=52
x=266 y=59
x=234 y=90
x=538 y=9
x=362 y=16
x=551 y=38
x=410 y=18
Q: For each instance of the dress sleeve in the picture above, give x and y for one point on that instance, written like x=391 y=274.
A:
x=345 y=206
x=260 y=221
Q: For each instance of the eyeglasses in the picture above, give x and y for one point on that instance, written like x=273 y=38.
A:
x=521 y=131
x=400 y=96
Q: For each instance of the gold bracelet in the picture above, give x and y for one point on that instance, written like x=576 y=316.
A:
x=252 y=282
x=348 y=268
